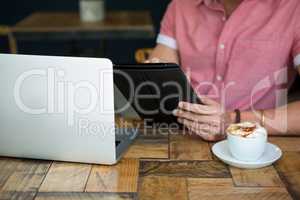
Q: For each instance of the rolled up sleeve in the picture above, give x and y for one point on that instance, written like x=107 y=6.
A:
x=167 y=30
x=296 y=48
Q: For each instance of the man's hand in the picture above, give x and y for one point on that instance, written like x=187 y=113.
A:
x=155 y=60
x=208 y=120
x=163 y=54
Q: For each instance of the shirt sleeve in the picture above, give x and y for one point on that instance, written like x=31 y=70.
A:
x=167 y=30
x=296 y=48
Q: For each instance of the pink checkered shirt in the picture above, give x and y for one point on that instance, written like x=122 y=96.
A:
x=243 y=61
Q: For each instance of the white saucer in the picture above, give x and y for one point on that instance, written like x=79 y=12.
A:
x=271 y=155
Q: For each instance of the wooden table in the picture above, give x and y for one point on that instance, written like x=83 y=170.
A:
x=67 y=25
x=158 y=166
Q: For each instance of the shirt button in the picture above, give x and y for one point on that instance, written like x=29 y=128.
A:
x=224 y=19
x=222 y=46
x=219 y=78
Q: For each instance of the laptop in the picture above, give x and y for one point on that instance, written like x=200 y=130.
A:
x=60 y=108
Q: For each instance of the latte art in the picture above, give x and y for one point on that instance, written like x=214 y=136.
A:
x=246 y=130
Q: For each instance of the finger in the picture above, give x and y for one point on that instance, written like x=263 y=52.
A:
x=198 y=108
x=204 y=119
x=155 y=60
x=199 y=127
x=192 y=124
x=211 y=130
x=208 y=136
x=207 y=101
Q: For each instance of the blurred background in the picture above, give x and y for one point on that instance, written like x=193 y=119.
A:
x=32 y=27
x=121 y=48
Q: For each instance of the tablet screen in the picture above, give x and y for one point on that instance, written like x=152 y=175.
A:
x=154 y=90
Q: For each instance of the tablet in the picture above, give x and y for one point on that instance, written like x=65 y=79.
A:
x=154 y=90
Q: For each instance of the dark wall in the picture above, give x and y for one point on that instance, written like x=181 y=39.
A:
x=14 y=10
x=119 y=51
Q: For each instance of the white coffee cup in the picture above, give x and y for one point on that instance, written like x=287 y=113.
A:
x=249 y=148
x=92 y=10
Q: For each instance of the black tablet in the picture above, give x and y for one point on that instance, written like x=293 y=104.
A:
x=154 y=90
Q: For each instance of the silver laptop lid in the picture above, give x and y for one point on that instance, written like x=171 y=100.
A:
x=57 y=108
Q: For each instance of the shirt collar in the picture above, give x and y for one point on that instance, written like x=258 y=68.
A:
x=206 y=2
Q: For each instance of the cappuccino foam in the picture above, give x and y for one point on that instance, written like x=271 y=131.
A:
x=246 y=130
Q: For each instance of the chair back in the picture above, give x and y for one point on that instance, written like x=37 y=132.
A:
x=6 y=31
x=141 y=55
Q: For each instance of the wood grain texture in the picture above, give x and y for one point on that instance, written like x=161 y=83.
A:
x=66 y=177
x=148 y=149
x=158 y=179
x=212 y=169
x=150 y=144
x=289 y=163
x=164 y=188
x=7 y=167
x=292 y=181
x=27 y=177
x=24 y=180
x=84 y=196
x=265 y=177
x=224 y=189
x=289 y=170
x=187 y=147
x=122 y=177
x=286 y=143
x=210 y=182
x=17 y=195
x=240 y=193
x=211 y=144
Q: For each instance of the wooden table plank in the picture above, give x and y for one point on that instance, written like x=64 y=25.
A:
x=122 y=177
x=151 y=144
x=212 y=169
x=211 y=144
x=187 y=147
x=7 y=167
x=292 y=180
x=209 y=182
x=27 y=177
x=68 y=26
x=265 y=177
x=289 y=163
x=164 y=188
x=17 y=195
x=159 y=179
x=286 y=143
x=70 y=21
x=196 y=193
x=25 y=180
x=289 y=170
x=148 y=150
x=223 y=189
x=66 y=177
x=83 y=196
